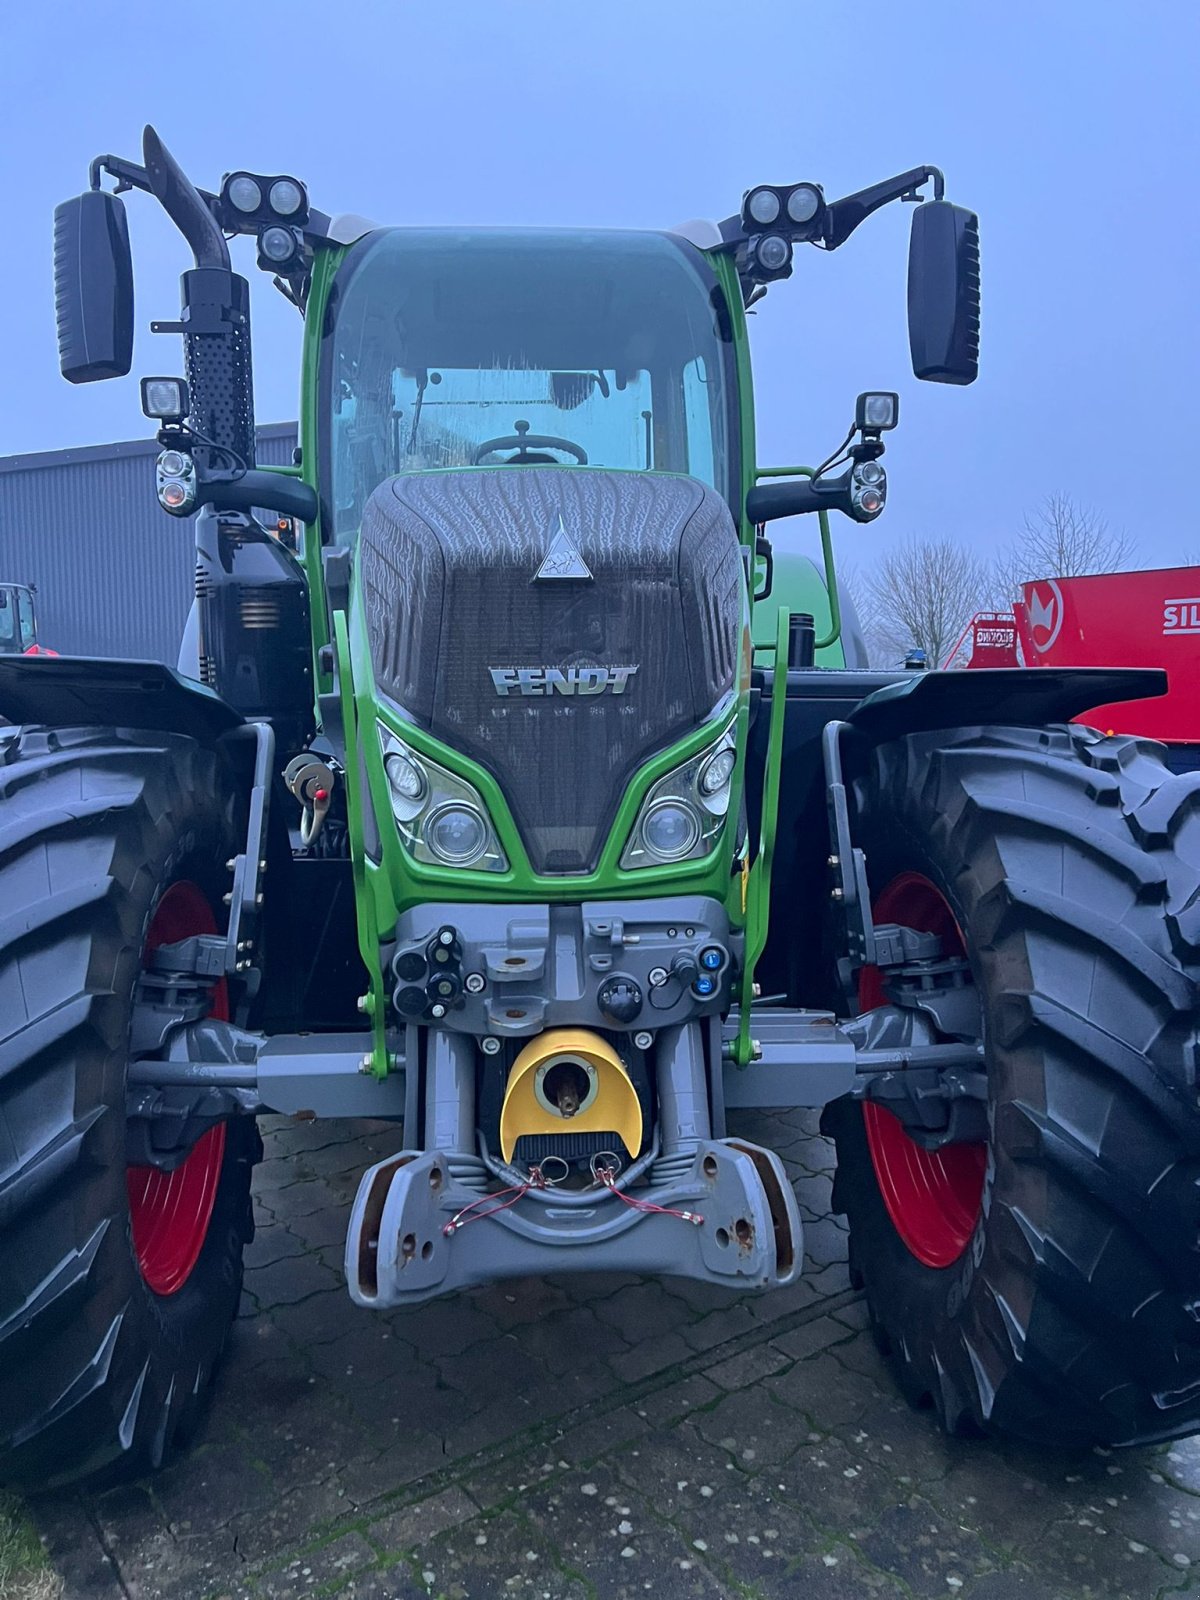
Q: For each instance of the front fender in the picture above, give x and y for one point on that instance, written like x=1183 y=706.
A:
x=93 y=691
x=1014 y=696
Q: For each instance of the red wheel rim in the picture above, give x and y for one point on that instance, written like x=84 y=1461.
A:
x=169 y=1212
x=932 y=1196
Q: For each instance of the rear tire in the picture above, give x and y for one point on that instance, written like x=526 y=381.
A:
x=97 y=1370
x=1071 y=863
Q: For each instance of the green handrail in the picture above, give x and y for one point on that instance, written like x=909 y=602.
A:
x=758 y=890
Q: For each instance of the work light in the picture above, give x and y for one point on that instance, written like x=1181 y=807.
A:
x=774 y=255
x=762 y=206
x=244 y=193
x=804 y=202
x=279 y=247
x=164 y=399
x=286 y=197
x=876 y=412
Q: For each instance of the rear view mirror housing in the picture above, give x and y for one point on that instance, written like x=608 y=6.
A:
x=93 y=287
x=943 y=293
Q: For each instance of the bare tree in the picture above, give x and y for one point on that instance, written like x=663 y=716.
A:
x=1063 y=539
x=920 y=596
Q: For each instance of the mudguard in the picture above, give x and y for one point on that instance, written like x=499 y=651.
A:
x=1013 y=696
x=93 y=691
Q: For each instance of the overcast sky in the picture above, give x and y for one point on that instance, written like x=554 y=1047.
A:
x=1069 y=125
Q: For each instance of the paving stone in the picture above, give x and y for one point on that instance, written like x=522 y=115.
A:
x=827 y=1393
x=930 y=1555
x=748 y=1531
x=650 y=1357
x=517 y=1302
x=571 y=1340
x=509 y=1367
x=503 y=1556
x=804 y=1341
x=296 y=1200
x=840 y=1488
x=318 y=1319
x=443 y=1327
x=739 y=1371
x=270 y=1244
x=321 y=1229
x=837 y=1573
x=396 y=1582
x=1087 y=1561
x=854 y=1315
x=645 y=1311
x=704 y=1297
x=618 y=1543
x=825 y=1241
x=775 y=1304
x=289 y=1280
x=369 y=1478
x=718 y=1327
x=585 y=1286
x=301 y=1516
x=330 y=1565
x=1018 y=1582
x=598 y=1436
x=413 y=1525
x=757 y=1431
x=678 y=1400
x=86 y=1569
x=337 y=1433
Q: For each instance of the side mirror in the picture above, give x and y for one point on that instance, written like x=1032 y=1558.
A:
x=943 y=293
x=93 y=287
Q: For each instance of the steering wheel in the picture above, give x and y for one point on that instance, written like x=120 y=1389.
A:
x=520 y=442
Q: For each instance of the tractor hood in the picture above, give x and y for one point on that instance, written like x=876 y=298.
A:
x=557 y=625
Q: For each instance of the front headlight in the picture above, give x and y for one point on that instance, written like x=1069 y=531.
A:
x=682 y=816
x=440 y=817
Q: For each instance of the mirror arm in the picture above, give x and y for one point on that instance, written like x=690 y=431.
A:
x=272 y=491
x=767 y=501
x=179 y=198
x=844 y=215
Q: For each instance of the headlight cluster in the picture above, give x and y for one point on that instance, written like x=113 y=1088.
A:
x=684 y=812
x=441 y=818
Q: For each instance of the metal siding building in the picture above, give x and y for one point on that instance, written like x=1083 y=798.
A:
x=113 y=571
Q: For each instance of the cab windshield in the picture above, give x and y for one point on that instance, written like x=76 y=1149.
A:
x=457 y=349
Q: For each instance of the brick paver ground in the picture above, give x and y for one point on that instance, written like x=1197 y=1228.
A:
x=597 y=1437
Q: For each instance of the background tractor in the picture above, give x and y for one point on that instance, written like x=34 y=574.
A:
x=480 y=812
x=18 y=622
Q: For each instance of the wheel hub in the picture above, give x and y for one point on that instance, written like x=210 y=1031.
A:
x=933 y=1197
x=170 y=1212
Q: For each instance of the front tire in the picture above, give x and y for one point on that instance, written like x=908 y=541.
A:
x=114 y=1306
x=1065 y=1311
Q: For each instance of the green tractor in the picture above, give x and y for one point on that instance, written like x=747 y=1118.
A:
x=522 y=796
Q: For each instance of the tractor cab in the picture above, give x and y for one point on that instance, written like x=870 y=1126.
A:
x=18 y=628
x=448 y=349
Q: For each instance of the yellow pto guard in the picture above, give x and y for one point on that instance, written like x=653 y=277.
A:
x=567 y=1081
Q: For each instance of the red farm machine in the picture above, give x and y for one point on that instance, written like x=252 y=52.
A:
x=1110 y=619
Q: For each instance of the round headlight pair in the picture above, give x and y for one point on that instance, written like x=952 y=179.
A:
x=801 y=205
x=285 y=196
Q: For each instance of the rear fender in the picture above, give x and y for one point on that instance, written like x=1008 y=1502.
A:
x=87 y=691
